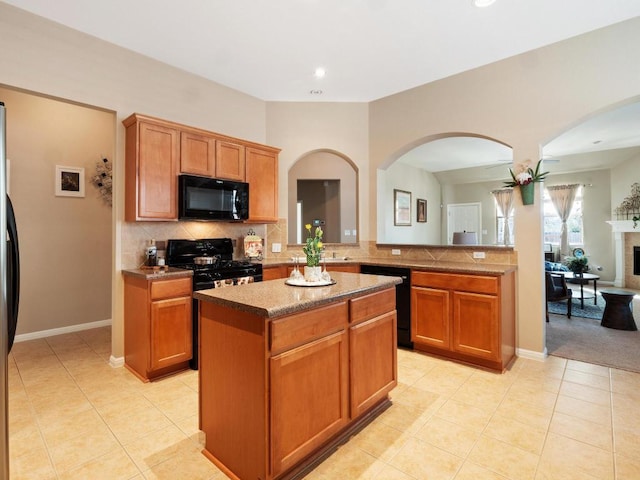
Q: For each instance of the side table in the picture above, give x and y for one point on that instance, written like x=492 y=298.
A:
x=617 y=311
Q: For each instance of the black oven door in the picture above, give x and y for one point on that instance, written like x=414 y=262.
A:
x=201 y=198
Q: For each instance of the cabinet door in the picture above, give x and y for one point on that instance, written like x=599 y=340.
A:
x=373 y=365
x=343 y=268
x=171 y=336
x=262 y=176
x=197 y=154
x=430 y=317
x=230 y=162
x=272 y=273
x=157 y=172
x=476 y=329
x=309 y=398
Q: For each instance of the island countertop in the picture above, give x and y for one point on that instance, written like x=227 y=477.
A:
x=274 y=298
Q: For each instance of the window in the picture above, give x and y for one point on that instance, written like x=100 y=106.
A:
x=553 y=225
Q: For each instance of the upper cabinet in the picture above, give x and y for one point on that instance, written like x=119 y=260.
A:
x=262 y=176
x=152 y=155
x=197 y=154
x=157 y=151
x=230 y=161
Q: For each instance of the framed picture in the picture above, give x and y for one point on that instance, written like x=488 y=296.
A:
x=421 y=210
x=69 y=181
x=402 y=207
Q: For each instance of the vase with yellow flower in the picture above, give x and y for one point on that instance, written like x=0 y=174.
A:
x=313 y=250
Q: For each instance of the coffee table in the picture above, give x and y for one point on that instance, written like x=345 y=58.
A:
x=583 y=279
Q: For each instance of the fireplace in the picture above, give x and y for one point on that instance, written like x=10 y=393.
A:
x=626 y=238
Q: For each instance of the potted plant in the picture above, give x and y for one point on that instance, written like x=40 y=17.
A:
x=313 y=250
x=525 y=178
x=578 y=265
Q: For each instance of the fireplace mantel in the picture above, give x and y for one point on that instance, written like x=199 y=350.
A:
x=619 y=228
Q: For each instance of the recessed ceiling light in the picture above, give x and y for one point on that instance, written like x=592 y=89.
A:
x=483 y=3
x=597 y=142
x=320 y=72
x=315 y=92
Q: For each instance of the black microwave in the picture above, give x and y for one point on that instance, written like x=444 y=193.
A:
x=201 y=198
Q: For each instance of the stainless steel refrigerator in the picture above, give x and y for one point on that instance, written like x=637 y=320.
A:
x=10 y=282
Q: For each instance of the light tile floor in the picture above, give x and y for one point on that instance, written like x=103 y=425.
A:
x=72 y=416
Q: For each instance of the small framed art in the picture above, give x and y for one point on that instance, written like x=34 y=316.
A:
x=421 y=209
x=402 y=207
x=69 y=181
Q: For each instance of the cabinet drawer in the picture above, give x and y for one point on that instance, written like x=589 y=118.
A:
x=448 y=281
x=372 y=305
x=302 y=328
x=178 y=287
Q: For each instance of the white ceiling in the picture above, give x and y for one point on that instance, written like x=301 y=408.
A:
x=369 y=48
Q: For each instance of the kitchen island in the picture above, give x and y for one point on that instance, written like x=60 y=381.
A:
x=288 y=373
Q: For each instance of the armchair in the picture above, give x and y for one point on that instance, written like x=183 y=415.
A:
x=557 y=291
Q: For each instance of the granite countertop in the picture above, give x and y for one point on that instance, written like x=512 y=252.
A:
x=274 y=298
x=158 y=273
x=427 y=265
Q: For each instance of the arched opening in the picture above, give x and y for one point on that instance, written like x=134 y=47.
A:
x=601 y=153
x=440 y=171
x=323 y=191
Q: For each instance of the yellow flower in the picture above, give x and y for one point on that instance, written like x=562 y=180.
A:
x=319 y=244
x=308 y=227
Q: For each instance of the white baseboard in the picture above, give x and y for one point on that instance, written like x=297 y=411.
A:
x=531 y=355
x=116 y=362
x=62 y=330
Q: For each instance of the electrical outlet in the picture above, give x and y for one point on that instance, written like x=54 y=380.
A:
x=276 y=247
x=347 y=233
x=395 y=251
x=354 y=232
x=478 y=255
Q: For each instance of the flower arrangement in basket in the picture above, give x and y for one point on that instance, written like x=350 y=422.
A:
x=313 y=247
x=525 y=178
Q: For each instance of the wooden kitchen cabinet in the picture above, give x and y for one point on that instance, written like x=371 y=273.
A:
x=262 y=177
x=293 y=385
x=230 y=161
x=372 y=349
x=466 y=317
x=304 y=414
x=351 y=268
x=274 y=272
x=152 y=155
x=197 y=154
x=158 y=326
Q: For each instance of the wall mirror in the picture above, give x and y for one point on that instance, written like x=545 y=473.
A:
x=323 y=191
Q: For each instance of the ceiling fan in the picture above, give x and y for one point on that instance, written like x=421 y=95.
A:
x=503 y=161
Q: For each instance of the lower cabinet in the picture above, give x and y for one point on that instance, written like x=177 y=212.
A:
x=466 y=317
x=275 y=393
x=157 y=325
x=309 y=398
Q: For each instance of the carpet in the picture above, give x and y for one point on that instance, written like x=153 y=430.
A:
x=589 y=311
x=583 y=339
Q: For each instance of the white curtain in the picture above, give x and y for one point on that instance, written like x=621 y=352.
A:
x=562 y=197
x=504 y=201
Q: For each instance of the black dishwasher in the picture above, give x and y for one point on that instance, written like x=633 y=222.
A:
x=403 y=298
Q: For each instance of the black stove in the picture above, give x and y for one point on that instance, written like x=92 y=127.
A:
x=211 y=260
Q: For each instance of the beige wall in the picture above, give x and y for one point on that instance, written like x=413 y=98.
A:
x=302 y=128
x=42 y=56
x=65 y=242
x=523 y=101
